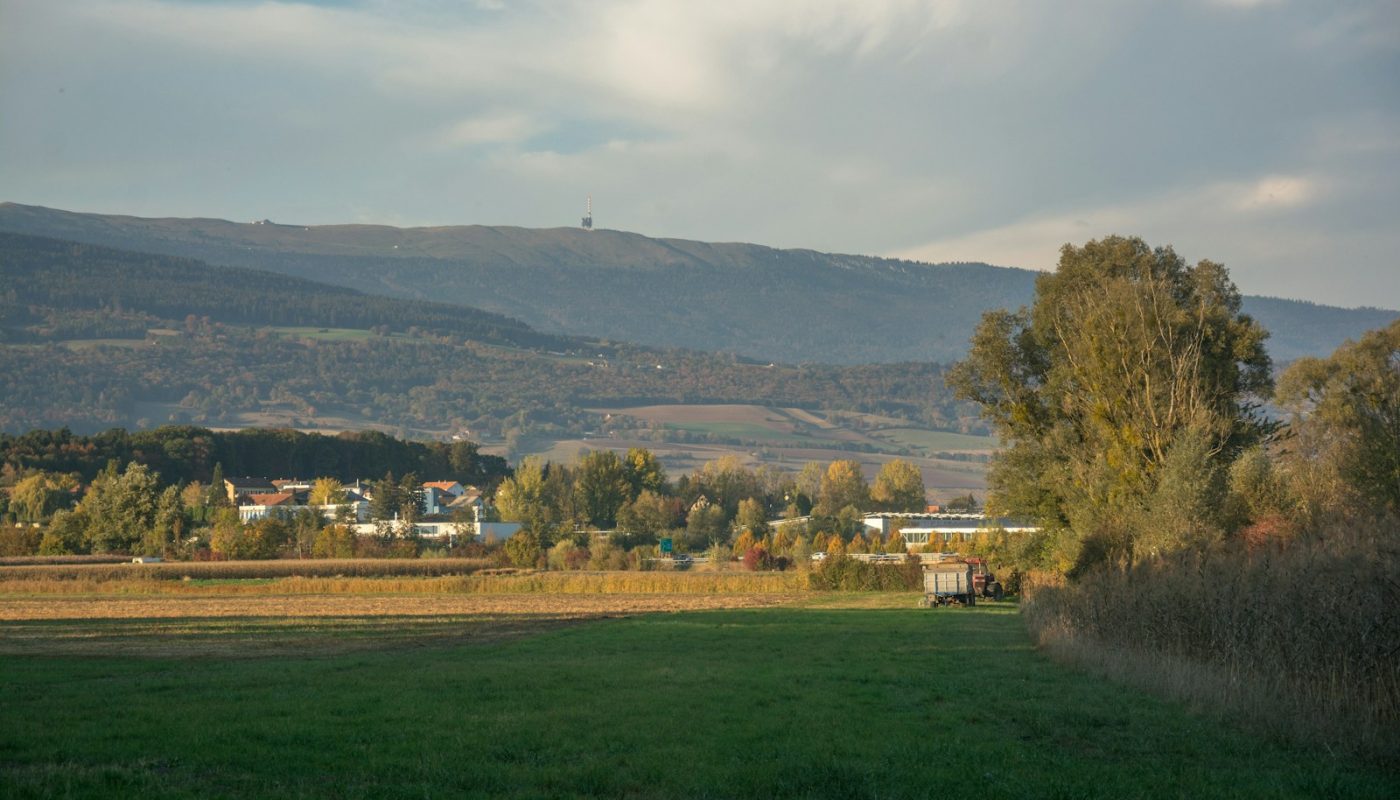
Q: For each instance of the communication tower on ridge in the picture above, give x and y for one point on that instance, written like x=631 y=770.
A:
x=588 y=215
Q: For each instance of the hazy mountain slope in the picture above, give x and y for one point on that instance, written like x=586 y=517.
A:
x=63 y=275
x=92 y=336
x=785 y=305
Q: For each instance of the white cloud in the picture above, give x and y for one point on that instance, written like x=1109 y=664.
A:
x=510 y=127
x=945 y=129
x=1201 y=213
x=1274 y=192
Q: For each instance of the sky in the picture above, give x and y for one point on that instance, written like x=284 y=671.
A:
x=1263 y=135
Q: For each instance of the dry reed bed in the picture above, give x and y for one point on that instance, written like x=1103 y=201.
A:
x=565 y=583
x=1304 y=641
x=177 y=570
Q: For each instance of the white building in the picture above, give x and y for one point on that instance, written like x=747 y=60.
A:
x=485 y=532
x=918 y=529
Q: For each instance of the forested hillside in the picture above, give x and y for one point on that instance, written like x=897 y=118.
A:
x=99 y=337
x=133 y=288
x=183 y=453
x=784 y=305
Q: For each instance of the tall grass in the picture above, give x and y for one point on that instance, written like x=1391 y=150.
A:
x=488 y=582
x=1303 y=640
x=637 y=583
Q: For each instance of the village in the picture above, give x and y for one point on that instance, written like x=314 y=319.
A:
x=449 y=512
x=444 y=510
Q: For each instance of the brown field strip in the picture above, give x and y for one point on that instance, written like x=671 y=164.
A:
x=700 y=412
x=227 y=627
x=128 y=607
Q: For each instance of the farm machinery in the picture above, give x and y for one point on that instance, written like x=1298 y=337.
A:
x=959 y=582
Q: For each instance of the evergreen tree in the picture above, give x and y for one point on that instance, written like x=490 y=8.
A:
x=218 y=493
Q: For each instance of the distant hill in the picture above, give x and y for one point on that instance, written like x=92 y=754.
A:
x=783 y=305
x=92 y=336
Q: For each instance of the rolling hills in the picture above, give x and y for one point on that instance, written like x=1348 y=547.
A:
x=93 y=337
x=783 y=305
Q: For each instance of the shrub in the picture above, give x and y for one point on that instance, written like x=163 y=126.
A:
x=843 y=573
x=561 y=554
x=18 y=540
x=334 y=541
x=757 y=559
x=606 y=556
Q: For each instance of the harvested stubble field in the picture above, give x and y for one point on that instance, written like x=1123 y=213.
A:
x=258 y=626
x=352 y=605
x=213 y=570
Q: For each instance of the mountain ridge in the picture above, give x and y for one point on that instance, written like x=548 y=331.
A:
x=792 y=305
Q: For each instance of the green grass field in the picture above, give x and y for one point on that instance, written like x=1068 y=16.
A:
x=840 y=697
x=328 y=334
x=747 y=431
x=934 y=441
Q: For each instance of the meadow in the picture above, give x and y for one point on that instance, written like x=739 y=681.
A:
x=816 y=695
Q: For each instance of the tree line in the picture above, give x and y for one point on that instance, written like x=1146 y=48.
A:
x=723 y=508
x=600 y=508
x=182 y=454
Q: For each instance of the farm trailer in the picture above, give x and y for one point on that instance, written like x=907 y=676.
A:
x=959 y=582
x=948 y=583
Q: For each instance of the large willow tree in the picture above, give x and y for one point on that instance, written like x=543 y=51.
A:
x=1121 y=396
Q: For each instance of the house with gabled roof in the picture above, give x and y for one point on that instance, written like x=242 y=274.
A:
x=239 y=488
x=438 y=495
x=263 y=505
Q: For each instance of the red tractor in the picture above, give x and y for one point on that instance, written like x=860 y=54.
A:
x=984 y=583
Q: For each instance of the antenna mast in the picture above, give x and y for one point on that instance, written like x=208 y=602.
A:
x=588 y=215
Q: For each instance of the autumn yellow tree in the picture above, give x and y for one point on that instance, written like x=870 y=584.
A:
x=899 y=486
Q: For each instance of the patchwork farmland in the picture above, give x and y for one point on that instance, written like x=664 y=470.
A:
x=686 y=436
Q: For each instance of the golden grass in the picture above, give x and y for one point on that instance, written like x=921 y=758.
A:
x=178 y=570
x=638 y=583
x=715 y=583
x=1303 y=641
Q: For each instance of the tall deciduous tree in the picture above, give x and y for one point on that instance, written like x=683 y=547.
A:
x=752 y=517
x=523 y=498
x=121 y=508
x=327 y=492
x=1347 y=413
x=899 y=486
x=726 y=481
x=1132 y=373
x=649 y=515
x=843 y=485
x=644 y=472
x=38 y=496
x=600 y=488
